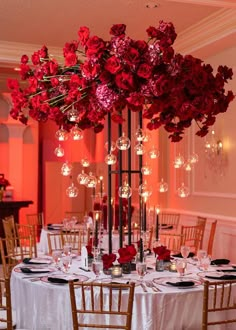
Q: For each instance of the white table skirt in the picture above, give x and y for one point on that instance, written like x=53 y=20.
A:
x=46 y=306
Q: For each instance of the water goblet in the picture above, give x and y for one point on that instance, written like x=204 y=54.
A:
x=141 y=268
x=67 y=248
x=97 y=267
x=185 y=251
x=200 y=255
x=181 y=267
x=66 y=262
x=56 y=257
x=205 y=263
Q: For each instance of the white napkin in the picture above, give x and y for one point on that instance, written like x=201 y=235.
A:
x=84 y=257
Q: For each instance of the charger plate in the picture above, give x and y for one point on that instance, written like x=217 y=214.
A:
x=67 y=277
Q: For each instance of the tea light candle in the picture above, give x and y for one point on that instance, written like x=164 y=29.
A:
x=116 y=271
x=172 y=267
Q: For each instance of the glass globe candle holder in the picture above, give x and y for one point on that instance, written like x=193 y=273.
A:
x=82 y=178
x=72 y=191
x=146 y=170
x=66 y=169
x=76 y=133
x=139 y=149
x=179 y=161
x=145 y=190
x=139 y=134
x=110 y=159
x=125 y=191
x=59 y=151
x=162 y=186
x=62 y=134
x=72 y=114
x=183 y=191
x=193 y=158
x=91 y=181
x=187 y=166
x=112 y=146
x=123 y=142
x=153 y=153
x=85 y=162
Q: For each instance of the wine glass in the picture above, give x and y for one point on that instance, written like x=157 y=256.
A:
x=200 y=255
x=66 y=262
x=185 y=251
x=97 y=267
x=205 y=262
x=181 y=267
x=67 y=248
x=141 y=268
x=56 y=257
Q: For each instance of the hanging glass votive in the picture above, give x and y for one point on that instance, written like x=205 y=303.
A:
x=125 y=191
x=85 y=162
x=193 y=158
x=123 y=142
x=72 y=114
x=112 y=146
x=76 y=133
x=91 y=181
x=110 y=159
x=146 y=170
x=72 y=191
x=179 y=161
x=62 y=134
x=162 y=186
x=147 y=137
x=145 y=190
x=153 y=153
x=59 y=151
x=66 y=169
x=187 y=166
x=139 y=134
x=82 y=178
x=183 y=191
x=139 y=149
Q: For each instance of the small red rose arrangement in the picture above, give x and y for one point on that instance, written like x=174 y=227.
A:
x=3 y=182
x=127 y=254
x=108 y=260
x=162 y=253
x=89 y=250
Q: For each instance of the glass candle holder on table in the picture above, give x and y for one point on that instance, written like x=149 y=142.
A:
x=181 y=266
x=116 y=271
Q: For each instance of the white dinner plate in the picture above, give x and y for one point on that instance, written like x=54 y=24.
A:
x=67 y=277
x=35 y=270
x=211 y=273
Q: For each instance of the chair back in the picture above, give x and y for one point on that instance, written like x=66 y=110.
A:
x=169 y=219
x=54 y=242
x=101 y=305
x=201 y=221
x=25 y=231
x=74 y=239
x=171 y=241
x=9 y=226
x=36 y=220
x=219 y=305
x=211 y=238
x=6 y=318
x=191 y=236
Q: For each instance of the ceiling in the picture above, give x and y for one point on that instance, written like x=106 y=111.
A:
x=26 y=25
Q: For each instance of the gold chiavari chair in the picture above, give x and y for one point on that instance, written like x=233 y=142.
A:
x=74 y=239
x=36 y=220
x=211 y=238
x=169 y=219
x=171 y=241
x=54 y=242
x=201 y=221
x=25 y=231
x=102 y=299
x=218 y=301
x=13 y=251
x=7 y=315
x=191 y=236
x=79 y=216
x=9 y=226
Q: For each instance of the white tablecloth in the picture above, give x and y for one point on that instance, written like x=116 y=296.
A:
x=46 y=306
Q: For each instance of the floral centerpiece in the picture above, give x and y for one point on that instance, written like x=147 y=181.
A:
x=99 y=76
x=3 y=182
x=126 y=255
x=162 y=253
x=108 y=260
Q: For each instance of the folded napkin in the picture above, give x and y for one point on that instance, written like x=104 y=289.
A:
x=223 y=277
x=34 y=261
x=220 y=262
x=33 y=271
x=60 y=280
x=226 y=270
x=182 y=283
x=179 y=255
x=165 y=226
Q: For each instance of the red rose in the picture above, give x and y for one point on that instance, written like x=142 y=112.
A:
x=113 y=65
x=24 y=71
x=152 y=32
x=144 y=71
x=118 y=30
x=70 y=59
x=135 y=99
x=132 y=56
x=24 y=59
x=141 y=45
x=43 y=52
x=83 y=34
x=90 y=70
x=125 y=80
x=12 y=83
x=94 y=45
x=35 y=58
x=108 y=260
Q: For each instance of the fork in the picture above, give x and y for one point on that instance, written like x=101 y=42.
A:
x=149 y=284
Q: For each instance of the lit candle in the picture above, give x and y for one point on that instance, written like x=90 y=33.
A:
x=144 y=215
x=157 y=223
x=116 y=271
x=101 y=185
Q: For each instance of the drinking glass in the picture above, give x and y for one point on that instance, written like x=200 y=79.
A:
x=67 y=248
x=56 y=257
x=66 y=262
x=185 y=251
x=181 y=267
x=200 y=255
x=97 y=267
x=141 y=268
x=205 y=262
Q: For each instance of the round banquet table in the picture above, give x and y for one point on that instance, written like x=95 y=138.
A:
x=41 y=305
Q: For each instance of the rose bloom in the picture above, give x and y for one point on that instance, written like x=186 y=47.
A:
x=113 y=65
x=70 y=59
x=118 y=30
x=125 y=80
x=83 y=34
x=90 y=70
x=35 y=58
x=144 y=71
x=94 y=45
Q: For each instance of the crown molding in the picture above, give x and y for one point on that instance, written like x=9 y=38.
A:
x=220 y=25
x=213 y=3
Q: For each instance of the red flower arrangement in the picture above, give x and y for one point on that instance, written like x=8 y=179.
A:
x=126 y=254
x=170 y=89
x=162 y=253
x=108 y=260
x=3 y=182
x=89 y=250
